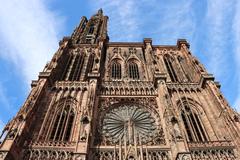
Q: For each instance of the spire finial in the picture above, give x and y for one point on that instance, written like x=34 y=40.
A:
x=100 y=11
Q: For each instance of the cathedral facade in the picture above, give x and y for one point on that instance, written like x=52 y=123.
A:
x=102 y=100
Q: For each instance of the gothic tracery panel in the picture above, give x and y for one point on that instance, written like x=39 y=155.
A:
x=192 y=122
x=130 y=123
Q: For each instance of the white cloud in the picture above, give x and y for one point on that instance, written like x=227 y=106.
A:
x=28 y=35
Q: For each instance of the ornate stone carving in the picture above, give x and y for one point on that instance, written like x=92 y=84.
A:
x=43 y=154
x=132 y=108
x=128 y=88
x=146 y=154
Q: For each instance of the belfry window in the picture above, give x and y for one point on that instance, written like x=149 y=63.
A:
x=91 y=29
x=192 y=124
x=76 y=68
x=116 y=70
x=170 y=69
x=62 y=125
x=133 y=70
x=73 y=67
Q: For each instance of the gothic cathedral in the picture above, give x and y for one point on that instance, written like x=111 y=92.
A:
x=102 y=100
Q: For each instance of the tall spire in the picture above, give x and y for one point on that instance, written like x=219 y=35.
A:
x=92 y=30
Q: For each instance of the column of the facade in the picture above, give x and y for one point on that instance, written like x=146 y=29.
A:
x=174 y=133
x=149 y=60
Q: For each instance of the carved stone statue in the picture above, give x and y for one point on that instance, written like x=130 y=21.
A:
x=176 y=130
x=85 y=129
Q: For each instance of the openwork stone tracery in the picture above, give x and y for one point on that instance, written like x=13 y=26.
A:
x=130 y=124
x=43 y=154
x=126 y=127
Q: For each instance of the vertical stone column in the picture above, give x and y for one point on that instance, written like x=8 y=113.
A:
x=149 y=60
x=174 y=133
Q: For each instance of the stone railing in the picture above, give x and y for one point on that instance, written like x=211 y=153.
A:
x=127 y=88
x=114 y=154
x=47 y=154
x=210 y=144
x=51 y=144
x=70 y=85
x=212 y=150
x=183 y=86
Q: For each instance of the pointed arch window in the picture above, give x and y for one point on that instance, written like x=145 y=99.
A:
x=116 y=70
x=76 y=68
x=89 y=64
x=170 y=69
x=73 y=67
x=63 y=122
x=91 y=29
x=192 y=124
x=133 y=70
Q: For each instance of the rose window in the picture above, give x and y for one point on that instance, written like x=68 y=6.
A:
x=129 y=124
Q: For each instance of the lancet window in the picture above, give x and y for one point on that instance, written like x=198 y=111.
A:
x=73 y=68
x=90 y=64
x=192 y=123
x=62 y=124
x=170 y=69
x=133 y=70
x=116 y=70
x=91 y=29
x=76 y=68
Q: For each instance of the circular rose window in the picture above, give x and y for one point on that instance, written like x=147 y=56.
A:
x=129 y=124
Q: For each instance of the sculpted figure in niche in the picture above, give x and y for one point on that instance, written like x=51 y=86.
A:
x=14 y=129
x=155 y=66
x=96 y=60
x=176 y=129
x=85 y=128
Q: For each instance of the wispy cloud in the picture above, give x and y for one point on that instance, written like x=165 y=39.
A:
x=236 y=29
x=134 y=20
x=28 y=35
x=175 y=20
x=123 y=24
x=221 y=41
x=28 y=38
x=217 y=22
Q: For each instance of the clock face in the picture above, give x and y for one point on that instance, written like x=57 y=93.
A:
x=129 y=124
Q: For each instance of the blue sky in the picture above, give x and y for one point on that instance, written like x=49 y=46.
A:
x=30 y=32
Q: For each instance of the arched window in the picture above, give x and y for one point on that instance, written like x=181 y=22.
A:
x=192 y=124
x=91 y=29
x=133 y=70
x=170 y=69
x=73 y=67
x=89 y=64
x=116 y=70
x=63 y=123
x=76 y=68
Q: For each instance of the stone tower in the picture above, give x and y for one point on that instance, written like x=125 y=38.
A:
x=101 y=100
